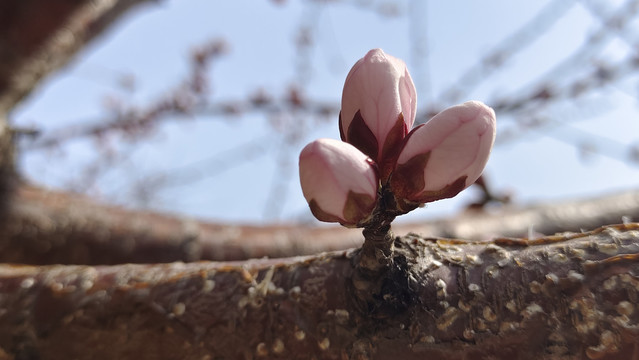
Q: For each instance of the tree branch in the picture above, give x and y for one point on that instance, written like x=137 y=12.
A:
x=39 y=36
x=568 y=296
x=46 y=227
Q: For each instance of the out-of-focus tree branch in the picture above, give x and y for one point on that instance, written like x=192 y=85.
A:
x=39 y=36
x=46 y=227
x=43 y=227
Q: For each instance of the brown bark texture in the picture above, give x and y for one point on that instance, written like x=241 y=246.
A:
x=567 y=296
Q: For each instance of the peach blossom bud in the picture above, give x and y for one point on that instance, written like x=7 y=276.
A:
x=338 y=181
x=445 y=155
x=378 y=107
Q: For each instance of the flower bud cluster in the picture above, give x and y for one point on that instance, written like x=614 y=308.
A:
x=380 y=152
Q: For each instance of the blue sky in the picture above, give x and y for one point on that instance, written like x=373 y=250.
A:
x=153 y=42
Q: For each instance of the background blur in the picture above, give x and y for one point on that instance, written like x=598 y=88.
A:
x=201 y=107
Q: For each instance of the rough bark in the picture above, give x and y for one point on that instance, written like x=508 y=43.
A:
x=45 y=227
x=39 y=36
x=570 y=296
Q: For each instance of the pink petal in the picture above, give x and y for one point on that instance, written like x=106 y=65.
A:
x=332 y=173
x=457 y=143
x=380 y=88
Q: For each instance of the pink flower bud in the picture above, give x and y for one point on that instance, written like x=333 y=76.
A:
x=445 y=155
x=338 y=181
x=378 y=107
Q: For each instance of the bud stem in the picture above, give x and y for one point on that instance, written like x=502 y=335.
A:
x=377 y=251
x=375 y=259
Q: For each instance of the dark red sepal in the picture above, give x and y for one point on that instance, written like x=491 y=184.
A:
x=446 y=192
x=358 y=207
x=361 y=136
x=408 y=178
x=392 y=147
x=321 y=215
x=341 y=128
